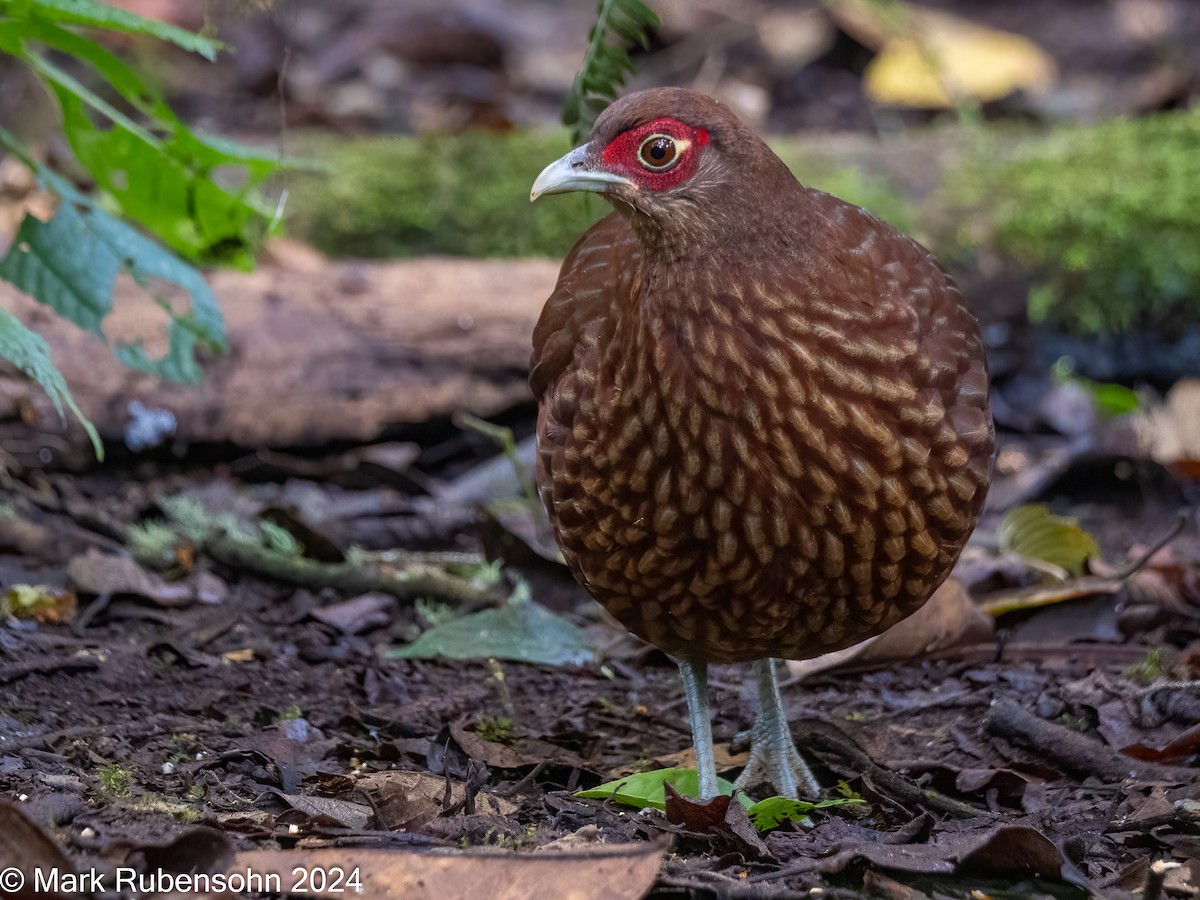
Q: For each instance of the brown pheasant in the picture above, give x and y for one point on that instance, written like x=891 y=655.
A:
x=763 y=425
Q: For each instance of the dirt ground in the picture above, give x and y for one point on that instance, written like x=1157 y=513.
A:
x=216 y=697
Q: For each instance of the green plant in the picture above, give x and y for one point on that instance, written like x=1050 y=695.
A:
x=114 y=780
x=150 y=169
x=620 y=24
x=1149 y=670
x=451 y=194
x=1107 y=217
x=498 y=729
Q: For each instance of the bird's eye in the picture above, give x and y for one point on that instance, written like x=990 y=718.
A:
x=658 y=153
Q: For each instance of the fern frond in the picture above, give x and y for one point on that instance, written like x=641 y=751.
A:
x=620 y=24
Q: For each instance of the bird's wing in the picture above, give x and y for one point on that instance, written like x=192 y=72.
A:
x=595 y=273
x=912 y=295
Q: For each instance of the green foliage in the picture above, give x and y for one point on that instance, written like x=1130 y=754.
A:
x=453 y=194
x=100 y=15
x=114 y=780
x=152 y=543
x=1111 y=399
x=153 y=167
x=498 y=729
x=26 y=350
x=149 y=167
x=1152 y=668
x=774 y=811
x=1034 y=532
x=71 y=262
x=620 y=24
x=1107 y=216
x=521 y=631
x=645 y=789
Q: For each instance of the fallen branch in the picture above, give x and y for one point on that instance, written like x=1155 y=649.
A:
x=824 y=737
x=1076 y=754
x=48 y=665
x=402 y=574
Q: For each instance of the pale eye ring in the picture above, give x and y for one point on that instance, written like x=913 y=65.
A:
x=658 y=153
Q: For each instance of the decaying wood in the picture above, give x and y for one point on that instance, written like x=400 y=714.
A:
x=1075 y=753
x=403 y=575
x=320 y=351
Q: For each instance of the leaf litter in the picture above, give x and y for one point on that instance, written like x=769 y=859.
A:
x=288 y=706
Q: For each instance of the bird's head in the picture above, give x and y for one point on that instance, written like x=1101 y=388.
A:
x=683 y=167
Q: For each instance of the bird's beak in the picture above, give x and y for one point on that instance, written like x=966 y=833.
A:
x=574 y=172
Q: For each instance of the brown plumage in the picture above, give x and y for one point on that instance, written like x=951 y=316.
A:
x=763 y=419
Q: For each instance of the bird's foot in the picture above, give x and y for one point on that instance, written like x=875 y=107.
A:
x=773 y=755
x=779 y=764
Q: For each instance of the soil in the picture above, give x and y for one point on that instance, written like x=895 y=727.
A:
x=1030 y=764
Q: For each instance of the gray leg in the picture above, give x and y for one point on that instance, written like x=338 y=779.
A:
x=695 y=688
x=773 y=754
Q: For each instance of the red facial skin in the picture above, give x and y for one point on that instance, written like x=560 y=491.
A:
x=621 y=155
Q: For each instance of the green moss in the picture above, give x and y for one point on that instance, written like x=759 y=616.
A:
x=1107 y=217
x=114 y=780
x=463 y=194
x=1149 y=670
x=468 y=195
x=495 y=728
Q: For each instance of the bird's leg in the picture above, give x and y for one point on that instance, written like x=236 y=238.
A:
x=773 y=754
x=695 y=688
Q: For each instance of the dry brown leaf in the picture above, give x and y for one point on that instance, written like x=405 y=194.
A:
x=24 y=849
x=95 y=572
x=350 y=815
x=1169 y=432
x=949 y=619
x=610 y=872
x=406 y=799
x=686 y=759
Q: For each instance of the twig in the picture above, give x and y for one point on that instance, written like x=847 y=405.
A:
x=406 y=576
x=47 y=665
x=1078 y=755
x=516 y=787
x=827 y=738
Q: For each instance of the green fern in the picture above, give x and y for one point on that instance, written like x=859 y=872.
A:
x=620 y=24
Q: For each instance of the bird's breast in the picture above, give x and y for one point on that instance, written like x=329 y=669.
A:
x=750 y=472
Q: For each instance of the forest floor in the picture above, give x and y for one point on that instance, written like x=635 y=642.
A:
x=206 y=685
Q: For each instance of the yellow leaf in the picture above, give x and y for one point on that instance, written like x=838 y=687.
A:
x=930 y=59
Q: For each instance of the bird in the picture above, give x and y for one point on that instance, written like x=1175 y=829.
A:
x=763 y=428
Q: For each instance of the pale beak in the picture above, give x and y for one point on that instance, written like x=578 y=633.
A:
x=574 y=172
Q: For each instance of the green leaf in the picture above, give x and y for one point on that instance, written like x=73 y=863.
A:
x=71 y=262
x=620 y=24
x=1035 y=532
x=1111 y=399
x=646 y=788
x=163 y=174
x=772 y=812
x=100 y=15
x=521 y=631
x=27 y=351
